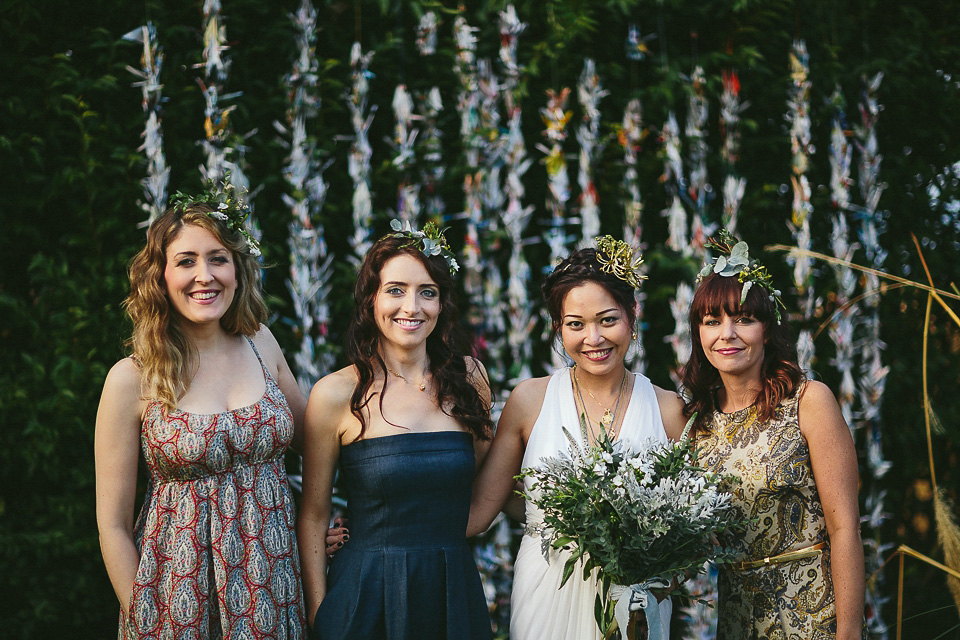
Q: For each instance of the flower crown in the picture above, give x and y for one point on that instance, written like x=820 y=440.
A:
x=616 y=258
x=228 y=206
x=430 y=241
x=735 y=260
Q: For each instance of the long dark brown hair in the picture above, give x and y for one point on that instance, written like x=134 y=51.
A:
x=575 y=271
x=781 y=374
x=446 y=345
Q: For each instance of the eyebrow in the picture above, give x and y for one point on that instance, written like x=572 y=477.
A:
x=195 y=253
x=600 y=313
x=407 y=284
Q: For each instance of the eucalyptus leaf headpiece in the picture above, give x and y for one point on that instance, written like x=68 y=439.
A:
x=228 y=206
x=735 y=260
x=430 y=241
x=616 y=257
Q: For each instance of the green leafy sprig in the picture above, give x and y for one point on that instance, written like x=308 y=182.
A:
x=229 y=206
x=431 y=241
x=735 y=260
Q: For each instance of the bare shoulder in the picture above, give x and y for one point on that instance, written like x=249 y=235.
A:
x=336 y=387
x=818 y=410
x=475 y=369
x=525 y=401
x=122 y=401
x=815 y=393
x=123 y=379
x=671 y=412
x=267 y=344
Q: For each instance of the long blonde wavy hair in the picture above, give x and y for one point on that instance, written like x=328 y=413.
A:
x=158 y=345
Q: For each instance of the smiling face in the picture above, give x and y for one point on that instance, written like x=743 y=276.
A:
x=733 y=344
x=407 y=302
x=200 y=276
x=594 y=329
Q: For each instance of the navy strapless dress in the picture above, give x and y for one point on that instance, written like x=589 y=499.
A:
x=407 y=572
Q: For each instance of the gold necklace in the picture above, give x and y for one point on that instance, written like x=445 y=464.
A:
x=423 y=384
x=608 y=416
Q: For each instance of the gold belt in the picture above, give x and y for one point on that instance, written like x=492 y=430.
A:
x=787 y=556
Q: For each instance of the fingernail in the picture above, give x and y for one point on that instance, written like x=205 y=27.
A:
x=339 y=544
x=345 y=537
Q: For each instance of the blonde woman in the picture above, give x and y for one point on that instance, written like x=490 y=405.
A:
x=208 y=401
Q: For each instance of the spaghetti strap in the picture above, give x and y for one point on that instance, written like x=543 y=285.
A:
x=257 y=353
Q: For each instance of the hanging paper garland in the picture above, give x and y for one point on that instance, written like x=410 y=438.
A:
x=590 y=92
x=468 y=106
x=842 y=327
x=734 y=185
x=358 y=165
x=158 y=173
x=310 y=263
x=698 y=189
x=493 y=146
x=674 y=184
x=630 y=136
x=873 y=373
x=556 y=117
x=427 y=34
x=516 y=216
x=408 y=194
x=798 y=116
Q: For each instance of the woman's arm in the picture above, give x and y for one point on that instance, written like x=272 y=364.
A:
x=116 y=446
x=671 y=412
x=321 y=450
x=270 y=349
x=834 y=461
x=493 y=485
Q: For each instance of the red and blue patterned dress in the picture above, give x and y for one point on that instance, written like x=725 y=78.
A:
x=218 y=555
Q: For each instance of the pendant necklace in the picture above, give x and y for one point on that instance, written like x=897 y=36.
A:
x=608 y=419
x=423 y=382
x=608 y=416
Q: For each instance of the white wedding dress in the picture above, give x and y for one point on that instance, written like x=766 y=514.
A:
x=540 y=608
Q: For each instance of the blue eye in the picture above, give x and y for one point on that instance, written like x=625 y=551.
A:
x=430 y=293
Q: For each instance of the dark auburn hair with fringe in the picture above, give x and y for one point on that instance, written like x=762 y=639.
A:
x=447 y=344
x=781 y=372
x=575 y=271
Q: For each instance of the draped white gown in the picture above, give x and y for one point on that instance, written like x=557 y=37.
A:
x=540 y=608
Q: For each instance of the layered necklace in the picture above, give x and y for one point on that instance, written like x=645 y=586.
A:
x=609 y=418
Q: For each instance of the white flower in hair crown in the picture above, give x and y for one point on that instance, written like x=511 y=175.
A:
x=430 y=241
x=617 y=257
x=735 y=260
x=229 y=206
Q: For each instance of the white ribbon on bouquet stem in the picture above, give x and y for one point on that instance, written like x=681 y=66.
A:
x=636 y=597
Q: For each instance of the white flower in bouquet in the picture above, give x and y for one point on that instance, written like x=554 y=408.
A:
x=642 y=517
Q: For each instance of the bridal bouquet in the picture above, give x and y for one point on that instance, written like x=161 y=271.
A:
x=642 y=517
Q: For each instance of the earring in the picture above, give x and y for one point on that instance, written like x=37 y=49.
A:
x=634 y=336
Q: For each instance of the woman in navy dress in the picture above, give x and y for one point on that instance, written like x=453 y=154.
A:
x=408 y=424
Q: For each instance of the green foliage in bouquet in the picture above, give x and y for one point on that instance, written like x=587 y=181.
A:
x=633 y=514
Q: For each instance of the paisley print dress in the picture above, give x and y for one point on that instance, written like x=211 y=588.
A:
x=792 y=600
x=218 y=556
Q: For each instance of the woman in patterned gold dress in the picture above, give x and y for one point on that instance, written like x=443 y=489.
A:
x=209 y=402
x=758 y=418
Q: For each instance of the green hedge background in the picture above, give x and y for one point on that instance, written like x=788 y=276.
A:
x=69 y=186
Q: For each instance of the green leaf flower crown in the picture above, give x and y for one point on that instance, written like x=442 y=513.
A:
x=228 y=206
x=430 y=241
x=735 y=260
x=616 y=257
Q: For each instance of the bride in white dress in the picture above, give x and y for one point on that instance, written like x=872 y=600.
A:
x=593 y=313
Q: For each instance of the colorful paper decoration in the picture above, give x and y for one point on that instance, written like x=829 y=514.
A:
x=158 y=173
